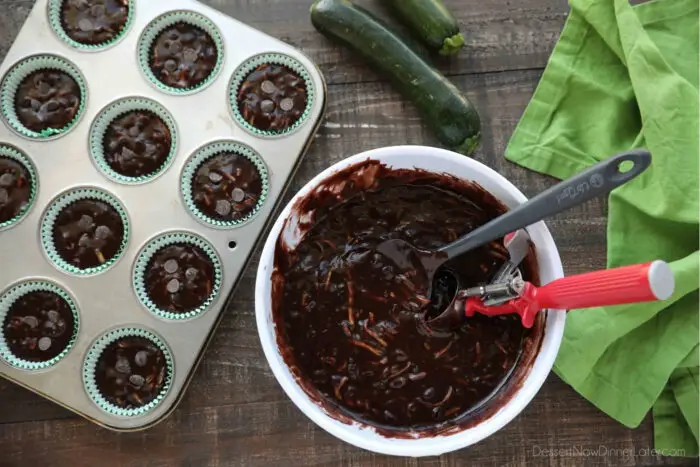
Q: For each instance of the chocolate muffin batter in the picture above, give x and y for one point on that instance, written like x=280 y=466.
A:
x=131 y=372
x=38 y=326
x=88 y=233
x=272 y=97
x=93 y=22
x=179 y=278
x=47 y=99
x=352 y=325
x=183 y=56
x=15 y=188
x=137 y=143
x=227 y=187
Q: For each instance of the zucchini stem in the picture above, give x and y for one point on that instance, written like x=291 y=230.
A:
x=452 y=44
x=469 y=145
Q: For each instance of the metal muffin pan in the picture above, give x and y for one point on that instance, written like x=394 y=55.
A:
x=107 y=301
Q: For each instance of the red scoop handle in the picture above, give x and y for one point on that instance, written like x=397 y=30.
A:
x=628 y=284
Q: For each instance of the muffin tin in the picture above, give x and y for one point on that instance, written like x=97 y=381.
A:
x=111 y=301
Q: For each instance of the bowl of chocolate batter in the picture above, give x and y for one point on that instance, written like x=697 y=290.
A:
x=345 y=331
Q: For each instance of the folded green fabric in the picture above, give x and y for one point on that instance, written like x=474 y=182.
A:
x=622 y=77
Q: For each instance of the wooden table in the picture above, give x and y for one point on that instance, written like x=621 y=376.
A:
x=234 y=412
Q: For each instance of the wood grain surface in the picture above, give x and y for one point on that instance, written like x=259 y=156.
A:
x=234 y=412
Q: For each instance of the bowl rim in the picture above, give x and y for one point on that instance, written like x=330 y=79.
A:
x=363 y=436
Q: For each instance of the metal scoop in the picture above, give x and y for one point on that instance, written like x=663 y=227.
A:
x=597 y=180
x=627 y=284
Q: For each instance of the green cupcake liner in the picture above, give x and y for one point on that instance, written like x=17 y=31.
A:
x=116 y=110
x=6 y=302
x=55 y=7
x=211 y=150
x=151 y=248
x=251 y=64
x=168 y=19
x=54 y=210
x=14 y=78
x=12 y=153
x=93 y=355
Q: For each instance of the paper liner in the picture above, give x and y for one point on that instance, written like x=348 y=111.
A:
x=251 y=64
x=21 y=70
x=144 y=257
x=211 y=150
x=55 y=7
x=13 y=153
x=10 y=297
x=116 y=110
x=54 y=210
x=90 y=364
x=168 y=19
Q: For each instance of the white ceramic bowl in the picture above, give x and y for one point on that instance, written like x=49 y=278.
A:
x=550 y=268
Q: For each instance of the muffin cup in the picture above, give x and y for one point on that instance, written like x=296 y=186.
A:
x=116 y=110
x=144 y=257
x=168 y=19
x=55 y=7
x=90 y=364
x=14 y=78
x=55 y=209
x=248 y=67
x=9 y=298
x=202 y=155
x=14 y=154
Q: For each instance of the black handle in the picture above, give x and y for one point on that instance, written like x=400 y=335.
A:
x=597 y=180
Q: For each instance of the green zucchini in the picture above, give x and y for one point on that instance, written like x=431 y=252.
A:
x=451 y=116
x=432 y=22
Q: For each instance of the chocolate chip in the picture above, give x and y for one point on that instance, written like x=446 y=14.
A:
x=171 y=266
x=223 y=207
x=43 y=87
x=287 y=104
x=191 y=274
x=44 y=343
x=128 y=153
x=31 y=321
x=84 y=241
x=53 y=315
x=173 y=286
x=85 y=222
x=398 y=383
x=237 y=195
x=85 y=24
x=268 y=87
x=122 y=365
x=61 y=327
x=97 y=10
x=267 y=106
x=102 y=232
x=141 y=358
x=7 y=179
x=137 y=380
x=190 y=55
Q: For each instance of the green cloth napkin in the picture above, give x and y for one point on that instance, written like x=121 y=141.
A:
x=622 y=77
